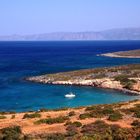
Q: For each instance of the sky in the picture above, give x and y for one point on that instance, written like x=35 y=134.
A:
x=45 y=16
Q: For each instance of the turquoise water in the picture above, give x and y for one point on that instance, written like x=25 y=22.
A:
x=21 y=59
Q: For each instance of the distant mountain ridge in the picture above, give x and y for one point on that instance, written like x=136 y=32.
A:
x=112 y=34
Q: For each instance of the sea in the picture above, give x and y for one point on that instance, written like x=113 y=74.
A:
x=22 y=59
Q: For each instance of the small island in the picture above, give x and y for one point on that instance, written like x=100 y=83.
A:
x=125 y=78
x=124 y=54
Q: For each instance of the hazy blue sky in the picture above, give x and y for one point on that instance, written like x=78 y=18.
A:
x=41 y=16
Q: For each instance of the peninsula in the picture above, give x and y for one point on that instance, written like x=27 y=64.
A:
x=125 y=78
x=124 y=54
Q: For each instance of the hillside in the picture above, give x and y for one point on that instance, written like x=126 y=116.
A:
x=120 y=121
x=124 y=78
x=113 y=34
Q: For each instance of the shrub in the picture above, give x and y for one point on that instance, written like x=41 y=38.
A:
x=13 y=116
x=2 y=117
x=107 y=111
x=91 y=108
x=99 y=111
x=61 y=109
x=43 y=110
x=137 y=114
x=115 y=117
x=138 y=137
x=11 y=133
x=71 y=130
x=60 y=119
x=135 y=110
x=68 y=123
x=119 y=133
x=98 y=128
x=77 y=124
x=72 y=113
x=121 y=78
x=125 y=81
x=84 y=116
x=136 y=123
x=56 y=136
x=33 y=115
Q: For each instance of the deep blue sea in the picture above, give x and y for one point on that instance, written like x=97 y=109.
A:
x=21 y=59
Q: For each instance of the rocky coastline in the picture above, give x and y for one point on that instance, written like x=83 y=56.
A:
x=89 y=78
x=123 y=54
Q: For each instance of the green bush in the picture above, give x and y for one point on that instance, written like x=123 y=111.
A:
x=135 y=110
x=137 y=114
x=99 y=111
x=77 y=124
x=56 y=136
x=11 y=133
x=99 y=130
x=92 y=108
x=2 y=117
x=115 y=117
x=98 y=127
x=33 y=115
x=125 y=81
x=84 y=116
x=60 y=119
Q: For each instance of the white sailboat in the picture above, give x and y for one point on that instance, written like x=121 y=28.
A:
x=70 y=95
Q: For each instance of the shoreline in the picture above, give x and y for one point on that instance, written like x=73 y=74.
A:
x=123 y=78
x=117 y=56
x=69 y=83
x=123 y=54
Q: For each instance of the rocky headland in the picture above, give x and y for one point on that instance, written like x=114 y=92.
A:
x=124 y=78
x=124 y=54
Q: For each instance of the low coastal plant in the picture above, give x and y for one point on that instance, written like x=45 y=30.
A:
x=2 y=117
x=61 y=109
x=72 y=113
x=56 y=136
x=115 y=116
x=71 y=130
x=97 y=112
x=99 y=130
x=11 y=133
x=13 y=116
x=98 y=127
x=136 y=123
x=76 y=123
x=84 y=116
x=60 y=119
x=125 y=81
x=43 y=110
x=32 y=115
x=135 y=110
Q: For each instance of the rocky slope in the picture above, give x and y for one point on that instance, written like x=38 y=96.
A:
x=124 y=78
